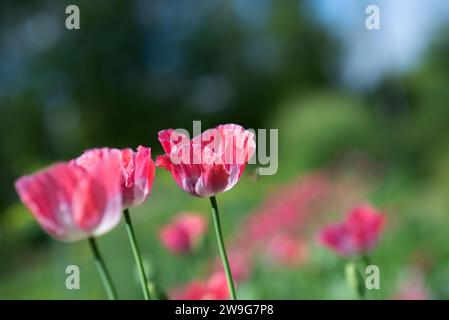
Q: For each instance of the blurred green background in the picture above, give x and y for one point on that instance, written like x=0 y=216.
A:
x=368 y=109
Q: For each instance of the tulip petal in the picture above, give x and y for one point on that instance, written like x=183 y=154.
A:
x=97 y=203
x=214 y=180
x=42 y=205
x=144 y=174
x=170 y=138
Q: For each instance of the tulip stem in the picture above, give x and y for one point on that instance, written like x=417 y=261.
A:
x=137 y=256
x=102 y=270
x=355 y=280
x=221 y=247
x=366 y=260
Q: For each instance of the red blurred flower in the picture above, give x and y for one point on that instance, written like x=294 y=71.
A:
x=137 y=171
x=184 y=232
x=209 y=163
x=71 y=202
x=357 y=234
x=215 y=288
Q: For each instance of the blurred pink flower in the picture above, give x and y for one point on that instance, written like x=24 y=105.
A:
x=412 y=287
x=358 y=234
x=411 y=292
x=287 y=250
x=183 y=233
x=71 y=202
x=210 y=163
x=137 y=171
x=289 y=209
x=240 y=261
x=215 y=288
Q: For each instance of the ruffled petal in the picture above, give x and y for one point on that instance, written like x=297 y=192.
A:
x=97 y=204
x=213 y=181
x=138 y=171
x=337 y=238
x=127 y=167
x=48 y=194
x=144 y=174
x=170 y=138
x=163 y=161
x=365 y=225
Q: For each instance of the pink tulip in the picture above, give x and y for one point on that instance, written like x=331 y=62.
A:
x=209 y=163
x=72 y=203
x=137 y=171
x=183 y=234
x=215 y=288
x=358 y=234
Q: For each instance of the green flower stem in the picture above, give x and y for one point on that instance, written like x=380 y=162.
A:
x=355 y=280
x=221 y=248
x=366 y=260
x=102 y=270
x=137 y=256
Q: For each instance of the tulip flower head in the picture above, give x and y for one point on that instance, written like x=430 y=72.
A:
x=358 y=234
x=183 y=234
x=210 y=163
x=71 y=202
x=137 y=171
